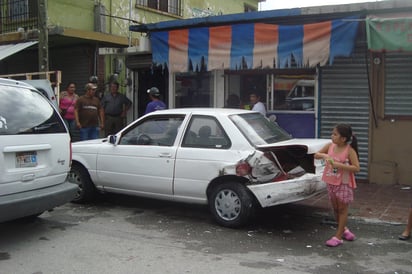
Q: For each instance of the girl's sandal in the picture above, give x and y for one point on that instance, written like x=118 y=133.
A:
x=332 y=242
x=348 y=235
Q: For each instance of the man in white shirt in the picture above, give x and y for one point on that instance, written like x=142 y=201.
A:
x=257 y=104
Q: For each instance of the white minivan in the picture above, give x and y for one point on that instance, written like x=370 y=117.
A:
x=35 y=153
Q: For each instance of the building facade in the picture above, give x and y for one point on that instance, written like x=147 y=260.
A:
x=84 y=38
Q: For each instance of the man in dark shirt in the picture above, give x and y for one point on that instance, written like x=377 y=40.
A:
x=88 y=114
x=115 y=107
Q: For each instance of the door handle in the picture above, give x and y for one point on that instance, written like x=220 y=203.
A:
x=28 y=177
x=165 y=155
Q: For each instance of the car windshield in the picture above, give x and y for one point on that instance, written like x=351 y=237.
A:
x=259 y=130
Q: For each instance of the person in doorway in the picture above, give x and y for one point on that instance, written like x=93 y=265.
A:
x=256 y=104
x=155 y=103
x=67 y=103
x=115 y=106
x=406 y=234
x=342 y=162
x=89 y=114
x=232 y=101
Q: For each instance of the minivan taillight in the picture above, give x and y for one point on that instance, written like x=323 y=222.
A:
x=243 y=169
x=70 y=145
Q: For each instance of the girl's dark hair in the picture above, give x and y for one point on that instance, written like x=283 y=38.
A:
x=345 y=131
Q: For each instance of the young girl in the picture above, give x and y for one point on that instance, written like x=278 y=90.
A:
x=341 y=158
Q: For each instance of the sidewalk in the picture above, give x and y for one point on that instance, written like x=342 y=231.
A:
x=372 y=203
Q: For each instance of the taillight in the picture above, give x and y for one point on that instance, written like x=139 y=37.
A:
x=243 y=169
x=70 y=145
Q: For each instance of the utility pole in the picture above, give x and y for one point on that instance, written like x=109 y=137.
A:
x=43 y=37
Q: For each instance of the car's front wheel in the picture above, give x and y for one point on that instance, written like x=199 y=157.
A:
x=79 y=176
x=231 y=204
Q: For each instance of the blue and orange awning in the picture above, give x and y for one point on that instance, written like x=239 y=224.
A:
x=254 y=45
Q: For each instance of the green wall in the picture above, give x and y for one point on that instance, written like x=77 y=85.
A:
x=79 y=14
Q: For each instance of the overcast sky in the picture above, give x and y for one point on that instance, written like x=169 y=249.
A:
x=287 y=4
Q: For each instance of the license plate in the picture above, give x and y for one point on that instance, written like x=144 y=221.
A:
x=26 y=159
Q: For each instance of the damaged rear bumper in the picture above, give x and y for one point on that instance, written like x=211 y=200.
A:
x=288 y=191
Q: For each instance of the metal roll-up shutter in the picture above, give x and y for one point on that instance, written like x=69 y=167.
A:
x=344 y=98
x=75 y=63
x=398 y=83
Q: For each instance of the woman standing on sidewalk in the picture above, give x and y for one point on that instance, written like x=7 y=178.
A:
x=67 y=102
x=342 y=162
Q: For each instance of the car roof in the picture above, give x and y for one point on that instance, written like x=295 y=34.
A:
x=202 y=111
x=12 y=82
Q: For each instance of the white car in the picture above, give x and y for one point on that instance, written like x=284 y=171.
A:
x=233 y=160
x=35 y=153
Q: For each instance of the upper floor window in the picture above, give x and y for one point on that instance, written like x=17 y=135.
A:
x=249 y=8
x=17 y=14
x=169 y=6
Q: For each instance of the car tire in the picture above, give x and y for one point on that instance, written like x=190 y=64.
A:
x=231 y=204
x=79 y=176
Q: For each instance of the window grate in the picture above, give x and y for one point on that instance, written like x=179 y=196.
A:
x=18 y=14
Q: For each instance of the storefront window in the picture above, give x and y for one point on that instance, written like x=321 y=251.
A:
x=289 y=93
x=194 y=89
x=294 y=94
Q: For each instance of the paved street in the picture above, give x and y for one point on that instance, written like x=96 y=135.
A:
x=129 y=235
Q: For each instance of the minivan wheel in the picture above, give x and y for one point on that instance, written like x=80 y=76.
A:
x=231 y=204
x=79 y=176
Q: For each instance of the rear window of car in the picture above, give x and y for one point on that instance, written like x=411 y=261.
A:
x=25 y=111
x=259 y=130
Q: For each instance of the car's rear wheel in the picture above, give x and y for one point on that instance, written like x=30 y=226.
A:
x=231 y=204
x=79 y=176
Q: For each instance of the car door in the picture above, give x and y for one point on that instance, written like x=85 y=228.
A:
x=205 y=153
x=144 y=158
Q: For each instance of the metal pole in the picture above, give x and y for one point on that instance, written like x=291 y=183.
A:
x=43 y=50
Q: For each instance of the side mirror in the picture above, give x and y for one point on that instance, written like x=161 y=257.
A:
x=112 y=139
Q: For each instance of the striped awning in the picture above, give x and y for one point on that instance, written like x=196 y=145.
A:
x=254 y=45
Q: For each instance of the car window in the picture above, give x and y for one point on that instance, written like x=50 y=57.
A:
x=302 y=104
x=205 y=132
x=259 y=130
x=24 y=111
x=157 y=131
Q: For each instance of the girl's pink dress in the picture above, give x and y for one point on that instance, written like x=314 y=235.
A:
x=337 y=176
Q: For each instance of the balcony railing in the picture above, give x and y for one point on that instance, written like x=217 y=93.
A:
x=16 y=15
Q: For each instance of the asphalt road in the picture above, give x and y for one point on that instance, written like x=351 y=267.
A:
x=120 y=234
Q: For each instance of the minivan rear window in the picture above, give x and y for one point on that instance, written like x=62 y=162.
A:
x=25 y=111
